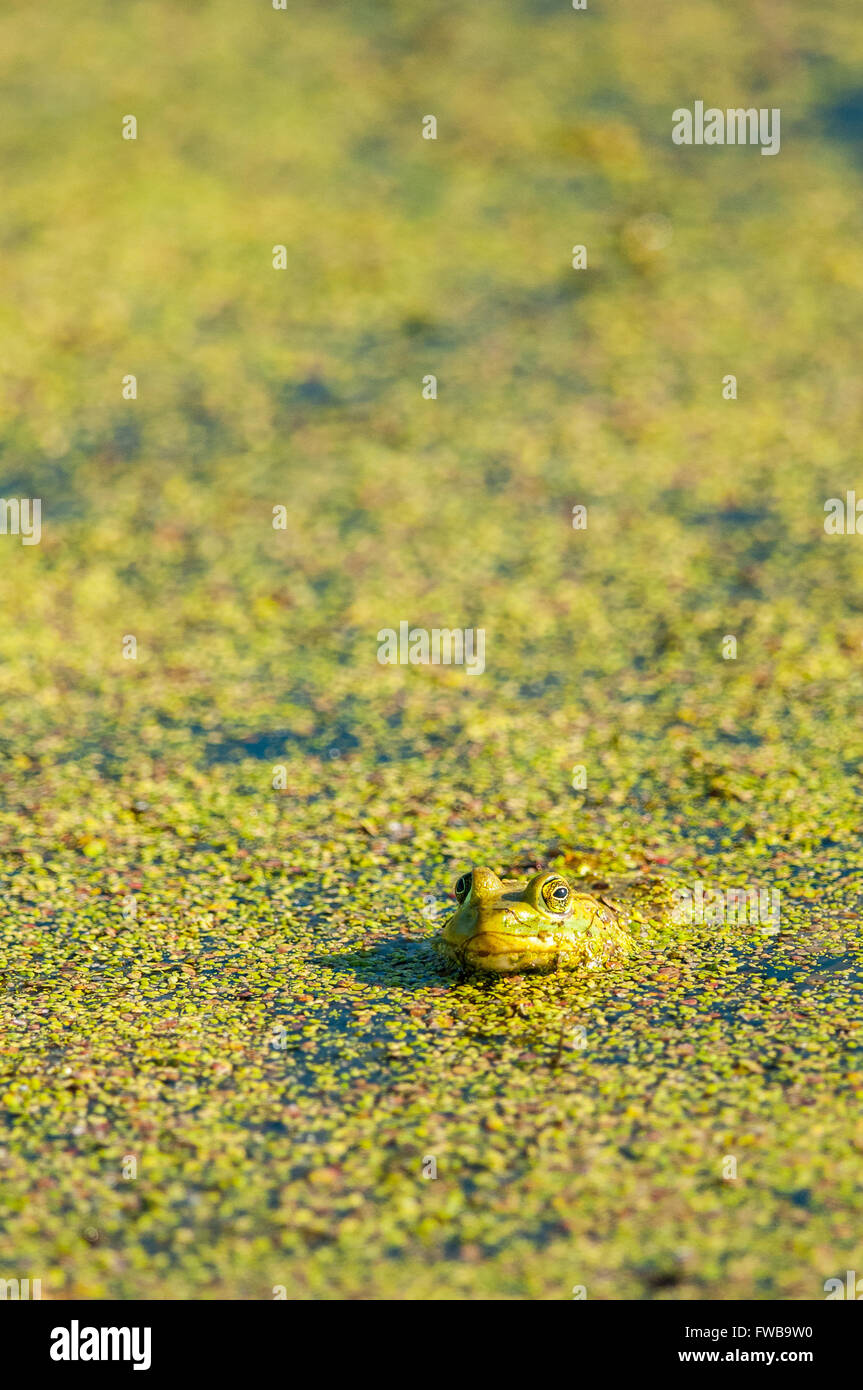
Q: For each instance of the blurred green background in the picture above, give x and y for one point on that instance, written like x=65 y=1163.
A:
x=150 y=1034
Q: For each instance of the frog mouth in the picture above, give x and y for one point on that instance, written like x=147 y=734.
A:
x=504 y=941
x=499 y=950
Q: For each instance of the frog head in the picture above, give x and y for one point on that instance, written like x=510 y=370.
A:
x=505 y=926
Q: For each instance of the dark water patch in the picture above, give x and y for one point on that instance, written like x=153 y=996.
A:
x=404 y=963
x=843 y=118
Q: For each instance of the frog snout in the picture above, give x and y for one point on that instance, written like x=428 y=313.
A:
x=518 y=916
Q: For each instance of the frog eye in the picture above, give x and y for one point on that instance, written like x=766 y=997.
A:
x=462 y=887
x=556 y=894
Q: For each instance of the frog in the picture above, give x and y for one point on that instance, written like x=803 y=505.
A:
x=506 y=926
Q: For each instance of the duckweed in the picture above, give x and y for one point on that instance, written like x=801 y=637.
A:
x=232 y=1063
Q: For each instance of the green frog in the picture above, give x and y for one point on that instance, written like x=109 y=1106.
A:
x=506 y=926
